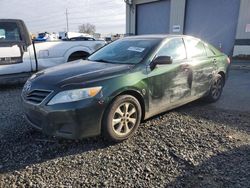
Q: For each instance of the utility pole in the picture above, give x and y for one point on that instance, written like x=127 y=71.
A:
x=67 y=20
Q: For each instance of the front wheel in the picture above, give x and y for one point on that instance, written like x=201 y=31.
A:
x=122 y=118
x=216 y=89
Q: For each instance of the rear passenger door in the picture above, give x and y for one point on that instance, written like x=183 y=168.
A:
x=202 y=66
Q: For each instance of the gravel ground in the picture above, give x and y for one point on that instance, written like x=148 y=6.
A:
x=193 y=146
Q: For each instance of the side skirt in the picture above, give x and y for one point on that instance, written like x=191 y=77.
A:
x=172 y=106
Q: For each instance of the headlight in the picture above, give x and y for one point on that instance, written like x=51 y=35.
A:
x=74 y=95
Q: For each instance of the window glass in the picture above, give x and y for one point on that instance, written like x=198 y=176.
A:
x=209 y=52
x=125 y=51
x=9 y=32
x=195 y=48
x=174 y=48
x=2 y=34
x=81 y=38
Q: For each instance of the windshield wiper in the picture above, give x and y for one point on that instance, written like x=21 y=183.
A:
x=99 y=60
x=102 y=60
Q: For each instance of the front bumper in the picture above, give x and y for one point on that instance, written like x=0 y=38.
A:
x=70 y=120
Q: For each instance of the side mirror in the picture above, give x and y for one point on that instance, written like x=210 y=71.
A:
x=161 y=60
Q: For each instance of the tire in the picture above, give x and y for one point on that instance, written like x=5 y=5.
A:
x=215 y=89
x=77 y=56
x=118 y=125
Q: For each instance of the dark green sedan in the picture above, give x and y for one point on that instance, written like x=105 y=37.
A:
x=122 y=84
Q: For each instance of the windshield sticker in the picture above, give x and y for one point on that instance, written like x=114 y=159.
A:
x=136 y=49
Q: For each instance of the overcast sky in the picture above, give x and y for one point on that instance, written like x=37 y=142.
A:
x=49 y=15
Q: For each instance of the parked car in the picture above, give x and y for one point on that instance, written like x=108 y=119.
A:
x=42 y=37
x=129 y=80
x=20 y=57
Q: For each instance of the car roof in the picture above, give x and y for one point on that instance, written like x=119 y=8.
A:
x=11 y=20
x=158 y=36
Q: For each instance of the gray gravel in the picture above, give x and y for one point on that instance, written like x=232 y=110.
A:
x=193 y=146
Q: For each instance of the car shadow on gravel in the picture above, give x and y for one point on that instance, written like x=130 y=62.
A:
x=227 y=169
x=30 y=147
x=4 y=87
x=22 y=146
x=201 y=110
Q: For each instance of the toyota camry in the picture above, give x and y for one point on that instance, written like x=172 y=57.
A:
x=125 y=82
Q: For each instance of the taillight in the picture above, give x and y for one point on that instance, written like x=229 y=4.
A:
x=228 y=60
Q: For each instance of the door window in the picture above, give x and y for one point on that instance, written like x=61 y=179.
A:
x=2 y=34
x=195 y=48
x=9 y=32
x=210 y=52
x=174 y=48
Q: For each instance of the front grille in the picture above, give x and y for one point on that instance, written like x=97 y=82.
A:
x=37 y=96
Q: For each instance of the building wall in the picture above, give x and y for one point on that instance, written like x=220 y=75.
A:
x=177 y=21
x=177 y=16
x=244 y=19
x=242 y=42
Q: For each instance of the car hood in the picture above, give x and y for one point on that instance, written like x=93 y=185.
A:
x=78 y=72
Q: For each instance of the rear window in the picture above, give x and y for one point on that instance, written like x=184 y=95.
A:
x=195 y=48
x=210 y=52
x=82 y=39
x=9 y=32
x=174 y=48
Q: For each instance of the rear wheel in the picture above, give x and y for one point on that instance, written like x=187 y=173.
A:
x=122 y=118
x=216 y=89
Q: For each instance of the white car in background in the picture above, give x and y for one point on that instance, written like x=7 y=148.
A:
x=19 y=57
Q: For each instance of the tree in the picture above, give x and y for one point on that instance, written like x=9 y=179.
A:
x=87 y=28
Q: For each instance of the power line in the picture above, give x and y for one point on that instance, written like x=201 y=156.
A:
x=57 y=14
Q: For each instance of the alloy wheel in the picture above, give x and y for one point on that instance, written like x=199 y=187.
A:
x=217 y=88
x=124 y=119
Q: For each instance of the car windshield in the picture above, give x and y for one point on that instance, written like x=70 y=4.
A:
x=125 y=51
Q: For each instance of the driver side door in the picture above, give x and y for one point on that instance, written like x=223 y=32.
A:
x=170 y=84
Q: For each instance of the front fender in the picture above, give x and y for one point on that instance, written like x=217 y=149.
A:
x=137 y=91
